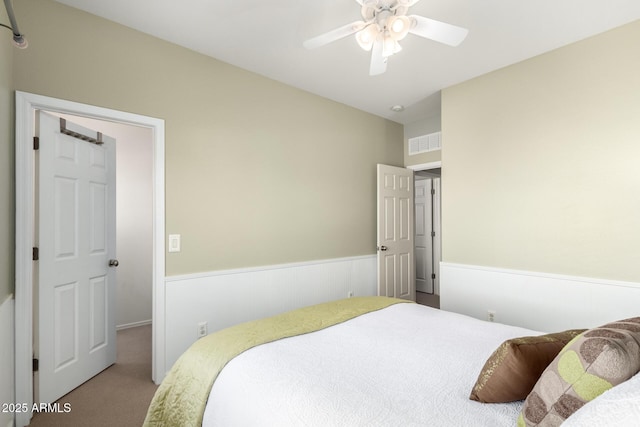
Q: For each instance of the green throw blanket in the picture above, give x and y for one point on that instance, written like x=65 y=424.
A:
x=181 y=398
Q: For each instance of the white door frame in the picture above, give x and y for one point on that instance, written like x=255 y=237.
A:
x=425 y=166
x=26 y=105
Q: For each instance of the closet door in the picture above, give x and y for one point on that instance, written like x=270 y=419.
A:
x=437 y=234
x=423 y=239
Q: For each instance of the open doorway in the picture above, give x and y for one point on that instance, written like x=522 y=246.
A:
x=428 y=244
x=26 y=106
x=134 y=213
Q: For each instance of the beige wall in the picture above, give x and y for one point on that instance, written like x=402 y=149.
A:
x=419 y=128
x=256 y=172
x=7 y=203
x=541 y=162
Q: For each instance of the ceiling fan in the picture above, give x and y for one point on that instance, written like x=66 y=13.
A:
x=384 y=24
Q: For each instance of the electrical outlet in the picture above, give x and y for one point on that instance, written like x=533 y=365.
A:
x=491 y=315
x=202 y=329
x=174 y=243
x=350 y=294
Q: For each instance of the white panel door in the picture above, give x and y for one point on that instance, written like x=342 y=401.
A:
x=395 y=233
x=76 y=240
x=423 y=235
x=437 y=231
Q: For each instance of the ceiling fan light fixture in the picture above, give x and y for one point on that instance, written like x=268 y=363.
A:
x=389 y=45
x=369 y=9
x=367 y=37
x=398 y=27
x=384 y=24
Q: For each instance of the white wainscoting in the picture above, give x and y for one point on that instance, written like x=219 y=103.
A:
x=539 y=301
x=7 y=349
x=225 y=298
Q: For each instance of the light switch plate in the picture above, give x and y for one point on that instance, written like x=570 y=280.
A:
x=174 y=243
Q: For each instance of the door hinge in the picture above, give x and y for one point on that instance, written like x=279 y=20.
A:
x=36 y=254
x=433 y=234
x=36 y=143
x=35 y=365
x=433 y=276
x=433 y=191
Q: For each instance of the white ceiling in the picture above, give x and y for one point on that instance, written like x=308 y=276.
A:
x=265 y=36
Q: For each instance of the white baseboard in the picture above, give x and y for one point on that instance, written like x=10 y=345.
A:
x=539 y=301
x=225 y=298
x=7 y=350
x=134 y=324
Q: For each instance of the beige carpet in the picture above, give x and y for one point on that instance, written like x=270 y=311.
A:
x=118 y=396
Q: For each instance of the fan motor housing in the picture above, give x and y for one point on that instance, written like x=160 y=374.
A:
x=380 y=10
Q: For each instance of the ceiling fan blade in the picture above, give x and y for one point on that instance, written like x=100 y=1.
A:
x=333 y=35
x=438 y=31
x=378 y=61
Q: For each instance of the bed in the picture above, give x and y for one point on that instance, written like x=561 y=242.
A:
x=370 y=361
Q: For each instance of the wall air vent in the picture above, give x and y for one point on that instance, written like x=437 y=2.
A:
x=425 y=143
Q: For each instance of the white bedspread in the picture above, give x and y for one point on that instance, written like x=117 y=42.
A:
x=618 y=407
x=406 y=365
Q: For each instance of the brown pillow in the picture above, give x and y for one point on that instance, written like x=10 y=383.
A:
x=589 y=365
x=513 y=369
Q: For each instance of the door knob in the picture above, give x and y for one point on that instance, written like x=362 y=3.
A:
x=382 y=248
x=113 y=263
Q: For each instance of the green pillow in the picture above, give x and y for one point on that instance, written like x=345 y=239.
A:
x=589 y=365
